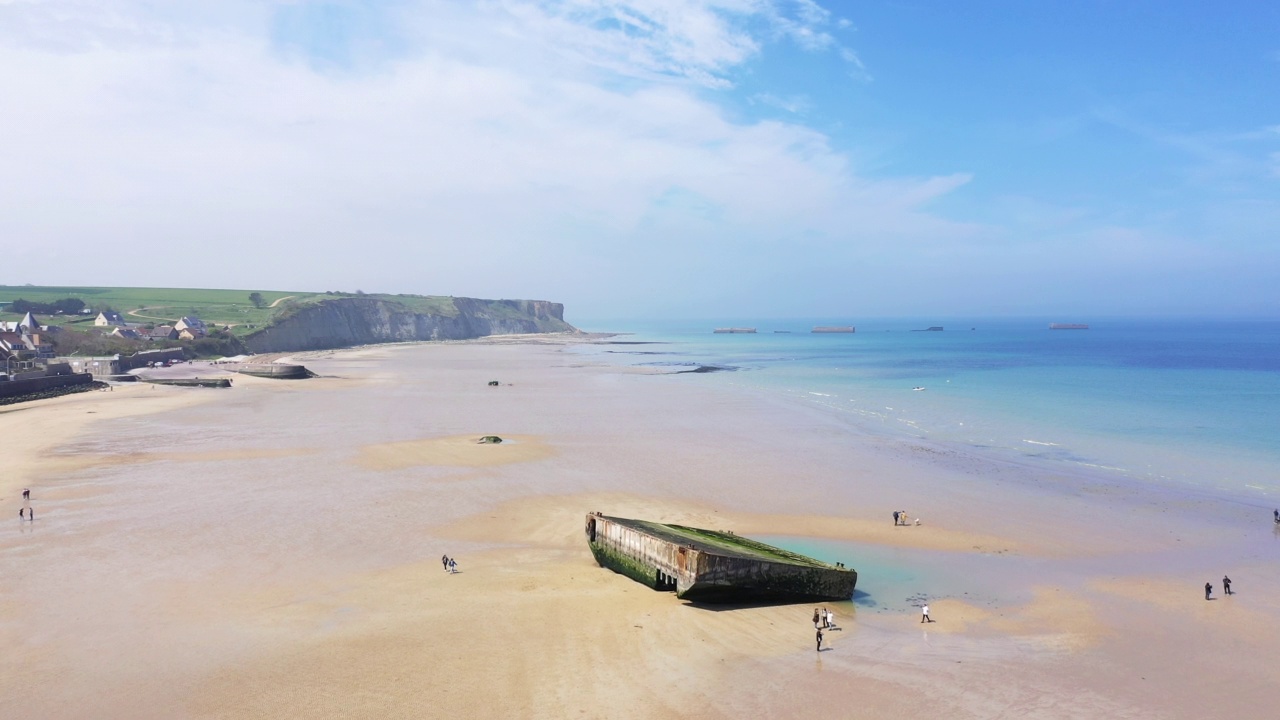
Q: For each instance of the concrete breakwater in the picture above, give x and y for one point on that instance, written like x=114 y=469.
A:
x=710 y=565
x=189 y=381
x=278 y=371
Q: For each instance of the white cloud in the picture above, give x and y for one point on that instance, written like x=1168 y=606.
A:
x=500 y=155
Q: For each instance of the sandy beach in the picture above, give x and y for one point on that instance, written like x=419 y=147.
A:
x=273 y=550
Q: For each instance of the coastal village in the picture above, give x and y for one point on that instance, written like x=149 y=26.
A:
x=33 y=365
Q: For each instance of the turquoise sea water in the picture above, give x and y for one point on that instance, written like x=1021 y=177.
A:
x=891 y=578
x=1194 y=403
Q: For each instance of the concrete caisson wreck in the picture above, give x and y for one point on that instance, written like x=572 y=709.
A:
x=712 y=566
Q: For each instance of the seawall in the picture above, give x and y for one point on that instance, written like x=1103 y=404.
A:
x=41 y=387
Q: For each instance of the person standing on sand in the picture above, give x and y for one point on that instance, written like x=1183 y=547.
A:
x=26 y=493
x=895 y=518
x=1226 y=585
x=815 y=618
x=924 y=613
x=1277 y=512
x=22 y=513
x=819 y=639
x=831 y=620
x=1208 y=588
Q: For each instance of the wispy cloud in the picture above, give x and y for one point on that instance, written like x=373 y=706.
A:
x=1218 y=156
x=701 y=41
x=792 y=103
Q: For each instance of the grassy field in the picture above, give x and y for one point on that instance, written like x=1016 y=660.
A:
x=215 y=307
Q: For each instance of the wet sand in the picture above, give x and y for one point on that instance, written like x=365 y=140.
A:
x=274 y=551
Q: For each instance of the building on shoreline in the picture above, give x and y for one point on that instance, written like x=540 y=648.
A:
x=105 y=365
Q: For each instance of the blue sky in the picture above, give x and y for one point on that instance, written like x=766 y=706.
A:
x=636 y=158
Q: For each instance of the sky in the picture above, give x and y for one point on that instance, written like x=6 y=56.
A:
x=654 y=158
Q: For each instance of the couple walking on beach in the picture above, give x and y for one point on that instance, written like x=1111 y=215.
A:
x=1226 y=587
x=450 y=565
x=900 y=518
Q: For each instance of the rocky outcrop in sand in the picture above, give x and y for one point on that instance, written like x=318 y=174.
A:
x=343 y=322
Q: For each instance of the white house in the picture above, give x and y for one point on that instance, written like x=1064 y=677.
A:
x=193 y=324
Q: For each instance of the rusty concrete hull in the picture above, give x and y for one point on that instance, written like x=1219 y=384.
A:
x=712 y=566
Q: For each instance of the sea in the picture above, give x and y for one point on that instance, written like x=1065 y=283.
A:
x=1192 y=404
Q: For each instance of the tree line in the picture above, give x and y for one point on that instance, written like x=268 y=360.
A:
x=65 y=306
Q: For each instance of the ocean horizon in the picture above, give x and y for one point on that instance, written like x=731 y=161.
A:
x=1190 y=403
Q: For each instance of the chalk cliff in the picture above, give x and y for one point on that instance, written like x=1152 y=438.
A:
x=347 y=321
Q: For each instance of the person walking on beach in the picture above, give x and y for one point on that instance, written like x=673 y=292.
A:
x=453 y=566
x=815 y=618
x=819 y=639
x=22 y=513
x=1277 y=513
x=1208 y=589
x=444 y=560
x=26 y=493
x=895 y=518
x=924 y=613
x=831 y=620
x=1226 y=585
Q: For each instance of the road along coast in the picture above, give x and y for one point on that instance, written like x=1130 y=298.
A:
x=273 y=550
